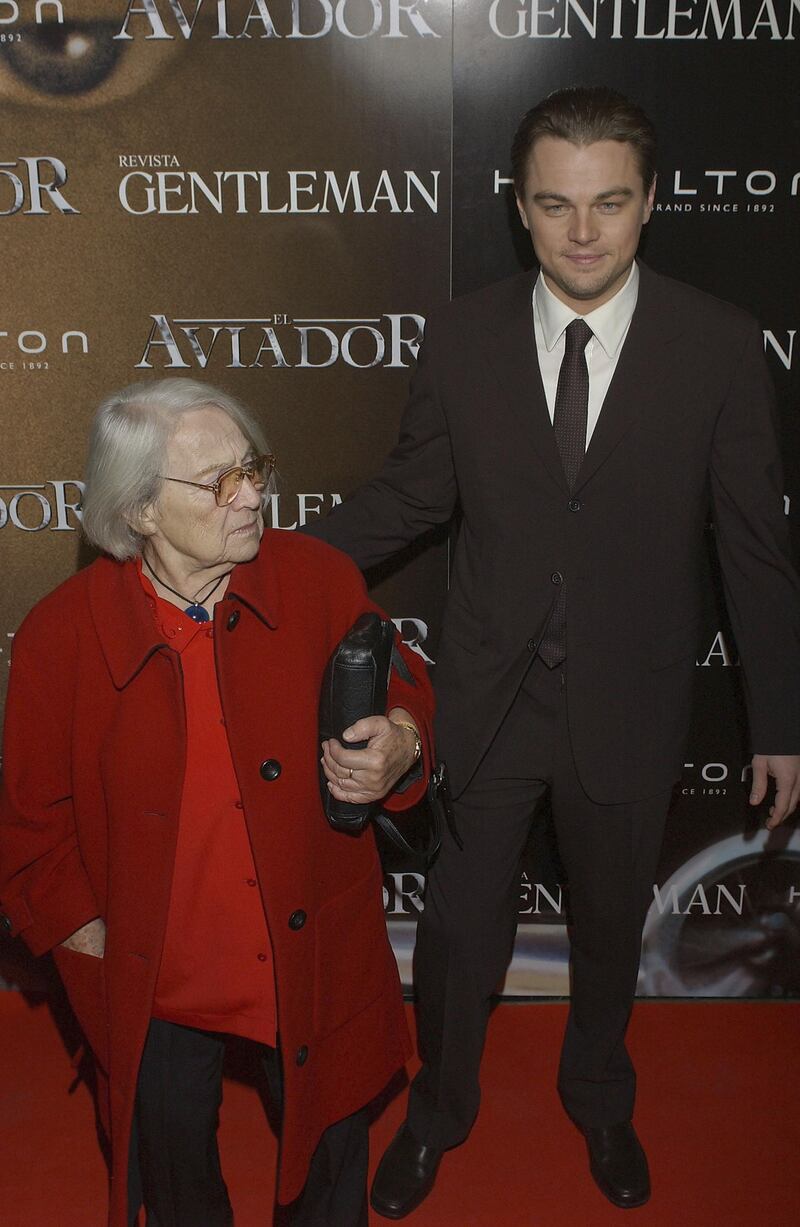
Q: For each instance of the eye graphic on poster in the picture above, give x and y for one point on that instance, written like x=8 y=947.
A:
x=72 y=59
x=67 y=59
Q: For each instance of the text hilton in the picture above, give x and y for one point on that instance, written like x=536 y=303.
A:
x=46 y=12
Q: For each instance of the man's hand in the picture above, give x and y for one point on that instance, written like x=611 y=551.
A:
x=785 y=770
x=91 y=939
x=367 y=775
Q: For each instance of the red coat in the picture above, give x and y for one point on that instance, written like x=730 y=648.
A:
x=94 y=759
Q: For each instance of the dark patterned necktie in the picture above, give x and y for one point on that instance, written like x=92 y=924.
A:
x=572 y=399
x=569 y=422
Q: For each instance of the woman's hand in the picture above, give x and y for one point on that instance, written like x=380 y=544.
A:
x=367 y=775
x=91 y=939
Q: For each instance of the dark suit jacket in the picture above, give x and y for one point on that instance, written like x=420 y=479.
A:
x=689 y=413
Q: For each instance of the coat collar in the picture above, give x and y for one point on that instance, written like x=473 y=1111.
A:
x=124 y=624
x=257 y=583
x=511 y=349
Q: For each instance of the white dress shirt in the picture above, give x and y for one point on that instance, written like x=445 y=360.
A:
x=609 y=325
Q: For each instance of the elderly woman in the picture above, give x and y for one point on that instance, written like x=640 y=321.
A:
x=161 y=828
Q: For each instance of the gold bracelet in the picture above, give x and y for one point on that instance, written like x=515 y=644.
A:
x=403 y=724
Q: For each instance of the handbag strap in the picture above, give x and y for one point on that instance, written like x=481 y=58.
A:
x=401 y=668
x=440 y=812
x=426 y=855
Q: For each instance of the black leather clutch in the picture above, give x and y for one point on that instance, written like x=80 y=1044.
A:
x=355 y=685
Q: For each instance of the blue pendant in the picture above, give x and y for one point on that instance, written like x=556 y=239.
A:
x=197 y=613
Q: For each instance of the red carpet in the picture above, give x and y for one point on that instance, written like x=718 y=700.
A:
x=719 y=1112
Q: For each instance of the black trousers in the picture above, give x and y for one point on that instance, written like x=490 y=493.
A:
x=466 y=932
x=174 y=1161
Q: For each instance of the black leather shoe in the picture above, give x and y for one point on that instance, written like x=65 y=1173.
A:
x=618 y=1164
x=405 y=1175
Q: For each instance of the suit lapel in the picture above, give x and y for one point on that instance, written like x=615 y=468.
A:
x=510 y=348
x=643 y=366
x=639 y=376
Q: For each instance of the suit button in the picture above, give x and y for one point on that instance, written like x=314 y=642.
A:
x=5 y=924
x=531 y=645
x=574 y=504
x=302 y=1055
x=556 y=578
x=270 y=769
x=233 y=619
x=297 y=919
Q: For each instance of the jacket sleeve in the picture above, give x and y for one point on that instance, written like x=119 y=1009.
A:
x=415 y=489
x=761 y=585
x=45 y=894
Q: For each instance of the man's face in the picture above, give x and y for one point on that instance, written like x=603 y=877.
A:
x=584 y=206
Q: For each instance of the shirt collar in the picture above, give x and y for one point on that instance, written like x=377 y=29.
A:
x=609 y=323
x=173 y=623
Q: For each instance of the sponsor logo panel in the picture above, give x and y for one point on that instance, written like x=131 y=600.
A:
x=224 y=20
x=36 y=506
x=35 y=349
x=16 y=13
x=33 y=187
x=645 y=20
x=156 y=183
x=281 y=340
x=726 y=191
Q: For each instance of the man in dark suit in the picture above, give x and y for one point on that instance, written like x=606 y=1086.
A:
x=578 y=420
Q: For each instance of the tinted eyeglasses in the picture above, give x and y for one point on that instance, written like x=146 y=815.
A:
x=228 y=484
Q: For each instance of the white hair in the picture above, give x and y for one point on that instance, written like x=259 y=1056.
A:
x=127 y=442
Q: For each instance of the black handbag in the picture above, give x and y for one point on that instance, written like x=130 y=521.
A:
x=355 y=685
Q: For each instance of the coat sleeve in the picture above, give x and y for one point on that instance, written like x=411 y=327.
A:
x=45 y=893
x=415 y=489
x=410 y=688
x=761 y=585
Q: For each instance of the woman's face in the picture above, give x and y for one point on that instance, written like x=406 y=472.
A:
x=187 y=521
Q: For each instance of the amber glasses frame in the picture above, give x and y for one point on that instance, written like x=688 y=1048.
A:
x=248 y=470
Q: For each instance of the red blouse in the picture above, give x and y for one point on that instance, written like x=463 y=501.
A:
x=216 y=968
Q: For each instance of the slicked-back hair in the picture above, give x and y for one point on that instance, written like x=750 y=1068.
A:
x=127 y=445
x=583 y=115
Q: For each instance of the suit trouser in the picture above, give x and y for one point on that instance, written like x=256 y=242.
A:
x=466 y=932
x=174 y=1161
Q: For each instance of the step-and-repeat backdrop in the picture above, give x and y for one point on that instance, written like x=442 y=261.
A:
x=272 y=195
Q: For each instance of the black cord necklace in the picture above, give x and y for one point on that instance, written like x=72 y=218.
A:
x=195 y=609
